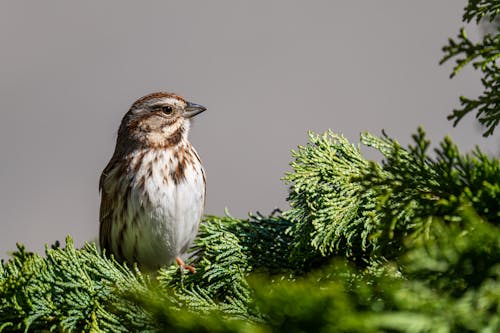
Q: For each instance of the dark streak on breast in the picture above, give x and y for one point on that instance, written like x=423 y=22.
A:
x=175 y=138
x=137 y=165
x=141 y=184
x=179 y=173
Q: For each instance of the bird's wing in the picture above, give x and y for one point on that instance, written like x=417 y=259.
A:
x=105 y=211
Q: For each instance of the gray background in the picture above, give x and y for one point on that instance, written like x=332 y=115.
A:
x=268 y=71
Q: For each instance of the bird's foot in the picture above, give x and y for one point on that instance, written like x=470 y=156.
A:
x=183 y=265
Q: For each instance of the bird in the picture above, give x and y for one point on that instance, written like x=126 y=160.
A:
x=153 y=189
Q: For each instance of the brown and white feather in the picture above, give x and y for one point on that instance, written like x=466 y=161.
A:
x=153 y=188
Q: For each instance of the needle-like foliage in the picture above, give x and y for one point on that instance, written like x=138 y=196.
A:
x=411 y=244
x=345 y=205
x=483 y=55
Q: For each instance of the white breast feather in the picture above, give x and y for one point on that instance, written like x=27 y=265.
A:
x=166 y=216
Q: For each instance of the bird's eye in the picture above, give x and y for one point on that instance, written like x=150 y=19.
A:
x=166 y=109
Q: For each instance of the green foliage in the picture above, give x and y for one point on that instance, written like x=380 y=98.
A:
x=345 y=205
x=483 y=55
x=454 y=277
x=67 y=290
x=329 y=204
x=478 y=9
x=411 y=244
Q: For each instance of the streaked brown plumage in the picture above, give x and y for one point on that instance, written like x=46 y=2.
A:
x=153 y=188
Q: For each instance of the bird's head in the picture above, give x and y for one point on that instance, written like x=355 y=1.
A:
x=159 y=119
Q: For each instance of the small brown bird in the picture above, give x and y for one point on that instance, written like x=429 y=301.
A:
x=153 y=188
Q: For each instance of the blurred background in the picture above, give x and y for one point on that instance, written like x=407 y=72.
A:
x=268 y=71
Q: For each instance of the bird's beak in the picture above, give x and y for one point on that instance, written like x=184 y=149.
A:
x=193 y=109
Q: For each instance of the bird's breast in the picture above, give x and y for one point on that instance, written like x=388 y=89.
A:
x=164 y=203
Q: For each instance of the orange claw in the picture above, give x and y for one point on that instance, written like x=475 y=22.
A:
x=183 y=265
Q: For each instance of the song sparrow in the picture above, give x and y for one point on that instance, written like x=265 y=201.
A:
x=153 y=188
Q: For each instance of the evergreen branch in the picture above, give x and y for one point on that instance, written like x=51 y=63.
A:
x=415 y=189
x=344 y=205
x=415 y=242
x=483 y=56
x=69 y=290
x=478 y=9
x=328 y=205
